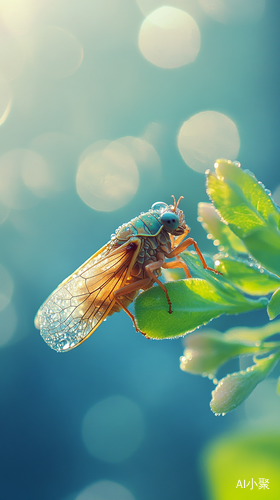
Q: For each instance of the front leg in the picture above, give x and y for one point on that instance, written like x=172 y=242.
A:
x=183 y=246
x=178 y=239
x=179 y=262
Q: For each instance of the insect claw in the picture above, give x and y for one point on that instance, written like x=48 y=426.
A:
x=144 y=335
x=214 y=271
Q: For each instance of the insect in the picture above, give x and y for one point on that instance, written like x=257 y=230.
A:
x=110 y=280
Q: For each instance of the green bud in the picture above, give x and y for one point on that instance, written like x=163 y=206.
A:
x=232 y=390
x=206 y=351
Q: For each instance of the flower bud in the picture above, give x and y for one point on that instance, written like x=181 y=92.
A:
x=206 y=351
x=232 y=390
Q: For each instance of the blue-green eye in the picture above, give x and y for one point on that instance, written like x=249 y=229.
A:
x=170 y=220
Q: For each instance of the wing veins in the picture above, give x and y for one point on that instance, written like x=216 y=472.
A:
x=67 y=325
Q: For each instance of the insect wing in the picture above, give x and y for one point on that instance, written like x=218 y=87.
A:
x=82 y=301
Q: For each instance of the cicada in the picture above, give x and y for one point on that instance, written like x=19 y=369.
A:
x=110 y=280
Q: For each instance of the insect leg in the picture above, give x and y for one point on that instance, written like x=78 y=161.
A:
x=185 y=244
x=177 y=264
x=179 y=238
x=153 y=266
x=182 y=263
x=137 y=285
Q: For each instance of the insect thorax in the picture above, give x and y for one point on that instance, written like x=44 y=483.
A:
x=152 y=235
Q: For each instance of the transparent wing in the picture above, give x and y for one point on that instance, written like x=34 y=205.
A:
x=81 y=302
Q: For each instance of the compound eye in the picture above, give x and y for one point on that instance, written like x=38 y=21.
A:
x=170 y=220
x=159 y=206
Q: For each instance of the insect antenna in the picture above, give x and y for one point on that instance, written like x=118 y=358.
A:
x=176 y=203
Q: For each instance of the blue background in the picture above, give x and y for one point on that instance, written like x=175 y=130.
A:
x=114 y=93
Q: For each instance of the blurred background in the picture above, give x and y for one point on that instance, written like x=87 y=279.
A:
x=107 y=106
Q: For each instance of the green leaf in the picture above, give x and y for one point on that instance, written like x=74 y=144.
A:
x=273 y=308
x=206 y=351
x=195 y=266
x=223 y=237
x=264 y=245
x=278 y=387
x=246 y=276
x=240 y=199
x=232 y=390
x=248 y=209
x=194 y=303
x=222 y=282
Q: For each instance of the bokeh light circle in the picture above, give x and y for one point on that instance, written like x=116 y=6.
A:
x=207 y=136
x=107 y=177
x=6 y=287
x=23 y=177
x=56 y=52
x=231 y=11
x=59 y=151
x=105 y=490
x=36 y=175
x=190 y=6
x=169 y=37
x=113 y=429
x=8 y=321
x=143 y=153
